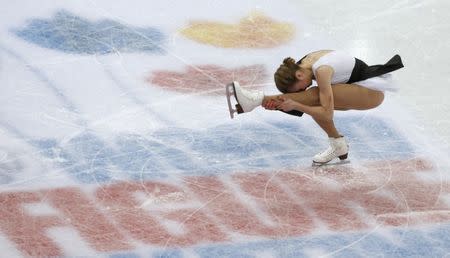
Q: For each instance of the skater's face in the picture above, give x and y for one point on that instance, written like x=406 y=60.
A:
x=304 y=80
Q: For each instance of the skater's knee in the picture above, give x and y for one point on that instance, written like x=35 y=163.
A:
x=380 y=98
x=377 y=98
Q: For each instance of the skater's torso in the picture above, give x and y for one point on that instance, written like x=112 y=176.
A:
x=346 y=68
x=341 y=63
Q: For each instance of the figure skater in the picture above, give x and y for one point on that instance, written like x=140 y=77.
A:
x=343 y=83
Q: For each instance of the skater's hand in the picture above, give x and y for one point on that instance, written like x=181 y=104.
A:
x=287 y=104
x=271 y=104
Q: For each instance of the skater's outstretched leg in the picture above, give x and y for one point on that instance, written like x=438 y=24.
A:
x=308 y=97
x=361 y=98
x=247 y=100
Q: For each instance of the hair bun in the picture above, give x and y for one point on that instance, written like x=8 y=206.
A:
x=289 y=60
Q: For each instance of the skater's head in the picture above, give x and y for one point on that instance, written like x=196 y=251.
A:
x=291 y=77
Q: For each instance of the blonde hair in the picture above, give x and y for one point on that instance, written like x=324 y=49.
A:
x=285 y=74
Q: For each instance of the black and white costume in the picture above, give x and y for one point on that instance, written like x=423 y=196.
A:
x=348 y=69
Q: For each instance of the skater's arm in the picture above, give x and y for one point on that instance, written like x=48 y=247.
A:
x=326 y=109
x=324 y=75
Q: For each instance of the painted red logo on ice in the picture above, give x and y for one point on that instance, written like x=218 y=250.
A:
x=207 y=209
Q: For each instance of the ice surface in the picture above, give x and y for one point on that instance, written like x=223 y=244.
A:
x=115 y=137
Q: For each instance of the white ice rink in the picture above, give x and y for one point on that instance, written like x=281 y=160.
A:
x=116 y=141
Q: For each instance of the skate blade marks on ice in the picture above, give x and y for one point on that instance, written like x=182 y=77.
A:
x=230 y=91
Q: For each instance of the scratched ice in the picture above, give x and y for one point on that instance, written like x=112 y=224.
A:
x=103 y=155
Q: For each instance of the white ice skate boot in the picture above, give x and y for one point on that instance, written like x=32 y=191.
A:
x=338 y=148
x=246 y=100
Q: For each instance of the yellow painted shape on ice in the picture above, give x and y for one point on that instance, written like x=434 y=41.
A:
x=253 y=31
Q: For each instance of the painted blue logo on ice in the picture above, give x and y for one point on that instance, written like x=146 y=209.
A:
x=69 y=33
x=218 y=150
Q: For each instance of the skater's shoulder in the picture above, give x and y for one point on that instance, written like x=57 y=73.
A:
x=333 y=58
x=311 y=58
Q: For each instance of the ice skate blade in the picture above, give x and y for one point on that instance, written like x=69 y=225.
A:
x=229 y=88
x=330 y=163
